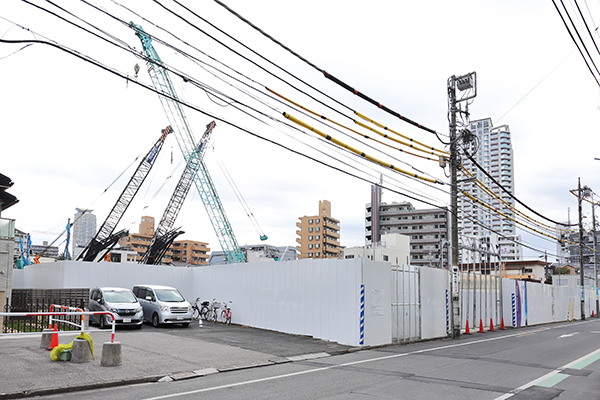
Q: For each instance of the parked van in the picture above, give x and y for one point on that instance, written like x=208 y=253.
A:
x=163 y=305
x=119 y=301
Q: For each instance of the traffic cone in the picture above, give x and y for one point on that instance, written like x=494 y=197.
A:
x=54 y=341
x=467 y=331
x=502 y=324
x=491 y=325
x=481 y=326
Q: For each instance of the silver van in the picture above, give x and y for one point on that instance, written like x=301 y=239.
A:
x=163 y=305
x=119 y=301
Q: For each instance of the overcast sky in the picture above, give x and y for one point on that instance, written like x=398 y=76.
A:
x=69 y=128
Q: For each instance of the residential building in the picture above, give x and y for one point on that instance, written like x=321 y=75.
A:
x=45 y=250
x=527 y=270
x=491 y=149
x=7 y=240
x=258 y=253
x=139 y=242
x=510 y=247
x=84 y=230
x=588 y=252
x=392 y=247
x=21 y=251
x=190 y=252
x=427 y=228
x=319 y=235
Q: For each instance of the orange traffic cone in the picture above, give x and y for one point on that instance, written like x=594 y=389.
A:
x=481 y=326
x=54 y=341
x=467 y=330
x=491 y=324
x=502 y=324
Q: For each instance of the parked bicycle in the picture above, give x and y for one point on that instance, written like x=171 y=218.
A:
x=213 y=312
x=200 y=309
x=226 y=313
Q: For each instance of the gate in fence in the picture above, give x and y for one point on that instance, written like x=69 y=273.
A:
x=406 y=304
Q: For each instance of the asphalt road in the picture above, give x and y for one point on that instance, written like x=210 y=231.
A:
x=543 y=362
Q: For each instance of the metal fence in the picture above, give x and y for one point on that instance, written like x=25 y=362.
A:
x=406 y=304
x=39 y=301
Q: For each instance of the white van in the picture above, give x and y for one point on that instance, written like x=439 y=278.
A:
x=163 y=305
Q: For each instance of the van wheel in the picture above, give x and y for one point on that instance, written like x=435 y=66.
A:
x=155 y=320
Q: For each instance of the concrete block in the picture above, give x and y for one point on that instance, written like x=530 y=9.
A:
x=46 y=338
x=81 y=351
x=111 y=354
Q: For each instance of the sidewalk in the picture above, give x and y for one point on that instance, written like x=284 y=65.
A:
x=149 y=355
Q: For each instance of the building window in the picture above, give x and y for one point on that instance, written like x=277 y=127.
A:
x=318 y=220
x=310 y=254
x=385 y=258
x=317 y=254
x=317 y=245
x=310 y=238
x=310 y=246
x=310 y=221
x=348 y=256
x=317 y=229
x=318 y=237
x=310 y=229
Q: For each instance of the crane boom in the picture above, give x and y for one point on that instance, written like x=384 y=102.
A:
x=164 y=235
x=104 y=237
x=203 y=182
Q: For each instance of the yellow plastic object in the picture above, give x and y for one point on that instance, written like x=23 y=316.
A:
x=58 y=350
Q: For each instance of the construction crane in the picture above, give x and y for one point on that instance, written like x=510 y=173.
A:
x=164 y=235
x=185 y=139
x=105 y=239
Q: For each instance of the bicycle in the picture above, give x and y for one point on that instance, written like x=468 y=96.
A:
x=213 y=312
x=226 y=313
x=200 y=310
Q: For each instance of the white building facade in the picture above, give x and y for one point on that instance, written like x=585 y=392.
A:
x=84 y=229
x=492 y=150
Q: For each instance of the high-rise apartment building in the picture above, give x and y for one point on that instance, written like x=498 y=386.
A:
x=491 y=149
x=426 y=228
x=84 y=229
x=319 y=235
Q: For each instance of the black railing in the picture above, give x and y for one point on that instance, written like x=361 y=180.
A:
x=40 y=300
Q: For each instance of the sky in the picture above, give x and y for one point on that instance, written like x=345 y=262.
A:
x=70 y=128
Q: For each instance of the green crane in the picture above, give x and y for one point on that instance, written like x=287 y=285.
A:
x=193 y=158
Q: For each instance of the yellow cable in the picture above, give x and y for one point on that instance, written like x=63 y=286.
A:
x=362 y=154
x=490 y=192
x=515 y=221
x=399 y=134
x=443 y=160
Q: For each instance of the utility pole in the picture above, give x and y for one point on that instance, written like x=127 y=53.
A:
x=582 y=281
x=595 y=255
x=462 y=83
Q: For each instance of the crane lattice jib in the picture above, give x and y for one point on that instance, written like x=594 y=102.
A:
x=174 y=111
x=157 y=244
x=131 y=189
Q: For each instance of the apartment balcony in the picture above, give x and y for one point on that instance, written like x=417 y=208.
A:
x=331 y=241
x=7 y=228
x=327 y=223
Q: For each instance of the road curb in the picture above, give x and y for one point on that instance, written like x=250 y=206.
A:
x=172 y=377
